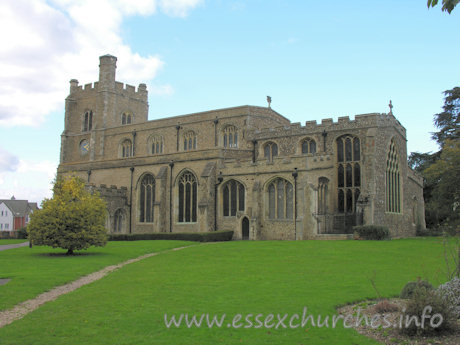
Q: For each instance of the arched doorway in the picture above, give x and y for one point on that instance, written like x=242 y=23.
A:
x=245 y=228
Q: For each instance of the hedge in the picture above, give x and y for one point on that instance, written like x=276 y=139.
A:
x=372 y=232
x=188 y=236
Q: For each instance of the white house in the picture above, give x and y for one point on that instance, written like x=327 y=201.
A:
x=6 y=218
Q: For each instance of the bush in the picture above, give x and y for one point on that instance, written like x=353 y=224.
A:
x=73 y=219
x=409 y=289
x=450 y=291
x=421 y=299
x=21 y=233
x=213 y=236
x=372 y=232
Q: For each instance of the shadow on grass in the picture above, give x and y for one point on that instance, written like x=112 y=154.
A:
x=64 y=254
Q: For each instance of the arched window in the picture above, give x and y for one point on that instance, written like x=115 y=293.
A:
x=189 y=141
x=88 y=121
x=270 y=151
x=322 y=195
x=393 y=181
x=348 y=173
x=280 y=199
x=156 y=145
x=118 y=221
x=126 y=118
x=146 y=199
x=308 y=146
x=126 y=148
x=187 y=197
x=233 y=198
x=230 y=136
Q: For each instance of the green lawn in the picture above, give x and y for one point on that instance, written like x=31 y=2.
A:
x=2 y=242
x=38 y=269
x=128 y=306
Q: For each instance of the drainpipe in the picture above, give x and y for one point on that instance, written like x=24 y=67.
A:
x=324 y=134
x=131 y=200
x=134 y=142
x=177 y=137
x=171 y=166
x=216 y=121
x=295 y=174
x=254 y=143
x=89 y=174
x=219 y=181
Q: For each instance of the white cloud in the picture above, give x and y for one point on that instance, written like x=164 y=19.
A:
x=8 y=162
x=31 y=180
x=46 y=43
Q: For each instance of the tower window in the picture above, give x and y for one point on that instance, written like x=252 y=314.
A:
x=88 y=121
x=126 y=118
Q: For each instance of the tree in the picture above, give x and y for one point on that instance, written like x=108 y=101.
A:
x=448 y=121
x=440 y=169
x=444 y=175
x=447 y=5
x=73 y=219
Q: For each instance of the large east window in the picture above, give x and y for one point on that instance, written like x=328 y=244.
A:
x=393 y=181
x=348 y=173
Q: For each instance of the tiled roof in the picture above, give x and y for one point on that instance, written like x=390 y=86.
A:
x=19 y=208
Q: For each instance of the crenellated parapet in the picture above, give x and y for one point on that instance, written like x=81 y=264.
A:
x=342 y=123
x=126 y=90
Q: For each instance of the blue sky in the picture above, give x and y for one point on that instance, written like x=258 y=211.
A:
x=315 y=59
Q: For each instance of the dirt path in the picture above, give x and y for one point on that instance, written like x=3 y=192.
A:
x=24 y=308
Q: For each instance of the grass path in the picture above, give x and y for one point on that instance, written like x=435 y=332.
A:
x=24 y=308
x=33 y=271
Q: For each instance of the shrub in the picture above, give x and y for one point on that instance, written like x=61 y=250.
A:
x=409 y=289
x=372 y=232
x=21 y=233
x=73 y=219
x=385 y=306
x=450 y=292
x=412 y=316
x=213 y=236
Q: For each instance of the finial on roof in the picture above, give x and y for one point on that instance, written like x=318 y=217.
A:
x=269 y=101
x=13 y=198
x=391 y=108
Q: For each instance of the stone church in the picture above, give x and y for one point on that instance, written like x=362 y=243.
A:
x=246 y=168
